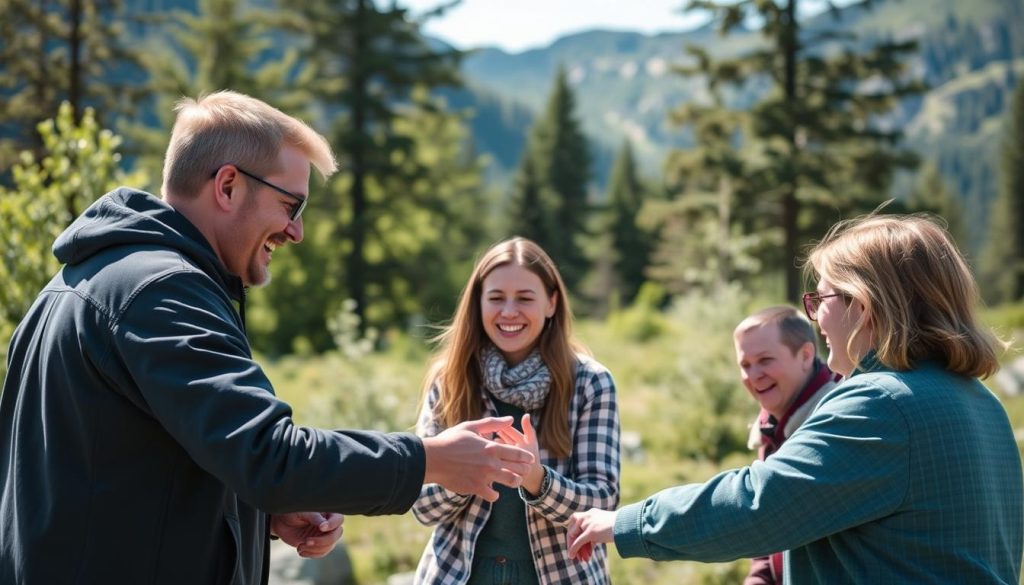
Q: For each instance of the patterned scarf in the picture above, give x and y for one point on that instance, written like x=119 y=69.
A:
x=525 y=384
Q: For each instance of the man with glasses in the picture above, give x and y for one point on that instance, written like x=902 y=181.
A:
x=139 y=441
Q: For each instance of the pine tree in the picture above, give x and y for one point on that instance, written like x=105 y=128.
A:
x=714 y=230
x=557 y=156
x=367 y=62
x=631 y=244
x=56 y=51
x=433 y=220
x=1003 y=261
x=530 y=207
x=224 y=45
x=824 y=153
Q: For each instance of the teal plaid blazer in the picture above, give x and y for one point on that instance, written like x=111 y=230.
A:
x=896 y=477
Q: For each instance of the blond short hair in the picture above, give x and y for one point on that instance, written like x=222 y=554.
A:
x=227 y=127
x=794 y=329
x=917 y=291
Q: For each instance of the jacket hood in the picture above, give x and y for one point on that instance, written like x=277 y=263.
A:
x=128 y=217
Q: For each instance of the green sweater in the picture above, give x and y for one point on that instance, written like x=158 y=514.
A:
x=896 y=477
x=506 y=533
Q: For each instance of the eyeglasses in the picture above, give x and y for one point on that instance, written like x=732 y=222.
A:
x=296 y=210
x=812 y=300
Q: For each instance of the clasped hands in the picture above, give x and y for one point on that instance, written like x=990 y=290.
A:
x=465 y=460
x=511 y=459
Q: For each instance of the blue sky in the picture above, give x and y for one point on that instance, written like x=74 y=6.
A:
x=518 y=25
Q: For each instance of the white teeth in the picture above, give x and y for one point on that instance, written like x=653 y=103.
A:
x=511 y=328
x=271 y=246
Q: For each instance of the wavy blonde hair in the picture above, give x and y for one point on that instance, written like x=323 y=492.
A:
x=917 y=292
x=456 y=367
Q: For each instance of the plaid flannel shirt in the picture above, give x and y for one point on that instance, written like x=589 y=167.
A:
x=587 y=478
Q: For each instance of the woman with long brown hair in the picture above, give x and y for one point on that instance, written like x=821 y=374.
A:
x=509 y=351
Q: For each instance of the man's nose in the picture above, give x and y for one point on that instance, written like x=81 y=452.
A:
x=295 y=230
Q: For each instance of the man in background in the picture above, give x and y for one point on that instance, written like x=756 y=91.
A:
x=779 y=366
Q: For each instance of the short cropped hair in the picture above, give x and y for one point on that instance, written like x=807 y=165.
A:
x=227 y=127
x=917 y=292
x=794 y=329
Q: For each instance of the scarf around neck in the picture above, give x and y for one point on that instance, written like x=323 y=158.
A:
x=525 y=384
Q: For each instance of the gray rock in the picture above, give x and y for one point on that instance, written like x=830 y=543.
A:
x=402 y=578
x=1010 y=378
x=288 y=568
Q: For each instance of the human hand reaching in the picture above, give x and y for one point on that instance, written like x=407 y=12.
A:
x=586 y=528
x=528 y=441
x=462 y=460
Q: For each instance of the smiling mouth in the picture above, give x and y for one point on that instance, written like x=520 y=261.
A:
x=269 y=246
x=768 y=389
x=511 y=328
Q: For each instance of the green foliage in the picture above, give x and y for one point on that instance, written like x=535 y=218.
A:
x=631 y=244
x=60 y=51
x=643 y=320
x=715 y=230
x=224 y=45
x=81 y=164
x=820 y=145
x=1003 y=263
x=550 y=202
x=427 y=223
x=345 y=330
x=679 y=390
x=367 y=61
x=1007 y=318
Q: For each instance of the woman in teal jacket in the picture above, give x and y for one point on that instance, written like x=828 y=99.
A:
x=907 y=472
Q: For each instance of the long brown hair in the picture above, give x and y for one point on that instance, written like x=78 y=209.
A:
x=456 y=367
x=917 y=291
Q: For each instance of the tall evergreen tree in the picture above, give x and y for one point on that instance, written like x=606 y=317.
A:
x=557 y=153
x=367 y=60
x=824 y=150
x=718 y=228
x=630 y=243
x=530 y=206
x=223 y=45
x=56 y=51
x=1003 y=262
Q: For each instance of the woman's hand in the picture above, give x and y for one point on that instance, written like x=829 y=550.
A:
x=526 y=440
x=586 y=528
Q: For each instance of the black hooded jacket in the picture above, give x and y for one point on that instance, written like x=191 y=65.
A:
x=139 y=441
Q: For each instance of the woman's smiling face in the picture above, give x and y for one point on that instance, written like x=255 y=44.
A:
x=514 y=306
x=837 y=316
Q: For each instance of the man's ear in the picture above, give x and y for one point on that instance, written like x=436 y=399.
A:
x=807 y=353
x=225 y=184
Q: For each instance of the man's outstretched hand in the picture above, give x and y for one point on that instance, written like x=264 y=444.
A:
x=465 y=460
